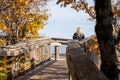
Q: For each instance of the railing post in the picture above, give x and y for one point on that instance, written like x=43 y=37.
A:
x=49 y=52
x=56 y=48
x=12 y=69
x=56 y=52
x=32 y=60
x=39 y=52
x=37 y=55
x=42 y=53
x=16 y=66
x=22 y=64
x=27 y=61
x=9 y=67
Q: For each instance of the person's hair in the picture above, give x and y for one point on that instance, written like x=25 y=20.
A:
x=79 y=31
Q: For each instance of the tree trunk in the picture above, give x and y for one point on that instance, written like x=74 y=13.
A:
x=104 y=32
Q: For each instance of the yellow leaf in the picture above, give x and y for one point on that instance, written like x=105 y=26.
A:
x=21 y=1
x=14 y=6
x=8 y=30
x=3 y=26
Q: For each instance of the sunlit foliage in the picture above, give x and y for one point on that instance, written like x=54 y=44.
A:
x=20 y=18
x=3 y=68
x=84 y=5
x=94 y=47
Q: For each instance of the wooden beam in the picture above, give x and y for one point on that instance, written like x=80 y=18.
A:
x=81 y=66
x=49 y=52
x=56 y=52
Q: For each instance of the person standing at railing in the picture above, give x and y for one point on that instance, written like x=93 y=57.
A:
x=78 y=35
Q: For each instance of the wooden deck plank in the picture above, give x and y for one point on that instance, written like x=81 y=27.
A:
x=53 y=70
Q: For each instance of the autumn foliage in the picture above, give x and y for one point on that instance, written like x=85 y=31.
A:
x=84 y=5
x=21 y=19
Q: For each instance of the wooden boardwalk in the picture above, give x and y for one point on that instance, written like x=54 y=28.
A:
x=52 y=70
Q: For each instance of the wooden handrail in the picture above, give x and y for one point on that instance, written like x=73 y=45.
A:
x=12 y=50
x=80 y=65
x=61 y=39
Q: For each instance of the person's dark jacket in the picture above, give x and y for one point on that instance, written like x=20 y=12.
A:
x=78 y=37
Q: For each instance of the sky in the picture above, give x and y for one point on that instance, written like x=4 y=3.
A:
x=64 y=21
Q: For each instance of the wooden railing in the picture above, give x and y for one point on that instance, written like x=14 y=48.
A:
x=63 y=41
x=89 y=46
x=82 y=61
x=18 y=59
